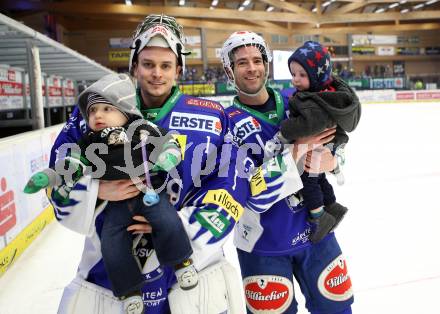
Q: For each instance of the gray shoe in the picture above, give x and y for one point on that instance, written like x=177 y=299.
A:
x=337 y=211
x=321 y=226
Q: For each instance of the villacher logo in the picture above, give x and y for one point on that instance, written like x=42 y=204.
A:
x=334 y=282
x=268 y=294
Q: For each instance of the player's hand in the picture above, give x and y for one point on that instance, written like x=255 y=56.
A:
x=141 y=227
x=318 y=139
x=304 y=145
x=320 y=160
x=117 y=190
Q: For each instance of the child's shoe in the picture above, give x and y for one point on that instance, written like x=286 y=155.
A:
x=187 y=276
x=321 y=226
x=41 y=180
x=36 y=183
x=337 y=211
x=133 y=305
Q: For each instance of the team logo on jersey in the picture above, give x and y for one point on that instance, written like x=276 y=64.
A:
x=204 y=103
x=275 y=167
x=272 y=116
x=214 y=221
x=143 y=250
x=197 y=122
x=225 y=200
x=151 y=115
x=246 y=127
x=258 y=183
x=146 y=257
x=268 y=294
x=234 y=113
x=334 y=282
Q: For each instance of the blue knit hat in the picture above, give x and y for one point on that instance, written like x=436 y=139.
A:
x=315 y=59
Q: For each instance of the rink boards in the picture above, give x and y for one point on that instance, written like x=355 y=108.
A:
x=22 y=216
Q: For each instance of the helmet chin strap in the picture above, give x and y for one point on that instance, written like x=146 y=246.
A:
x=249 y=94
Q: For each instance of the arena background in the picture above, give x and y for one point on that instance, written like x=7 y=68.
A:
x=389 y=51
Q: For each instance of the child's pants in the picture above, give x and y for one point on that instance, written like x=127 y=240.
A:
x=317 y=191
x=170 y=240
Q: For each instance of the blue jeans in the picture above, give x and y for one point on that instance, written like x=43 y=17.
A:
x=169 y=238
x=319 y=269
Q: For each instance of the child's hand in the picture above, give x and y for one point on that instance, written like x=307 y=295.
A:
x=117 y=190
x=319 y=139
x=142 y=227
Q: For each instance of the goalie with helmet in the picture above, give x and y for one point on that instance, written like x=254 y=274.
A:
x=203 y=188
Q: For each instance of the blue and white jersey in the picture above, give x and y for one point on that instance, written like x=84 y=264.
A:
x=283 y=228
x=208 y=190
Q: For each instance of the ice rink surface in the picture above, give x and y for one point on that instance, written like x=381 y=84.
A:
x=390 y=236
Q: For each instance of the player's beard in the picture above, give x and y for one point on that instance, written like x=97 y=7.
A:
x=251 y=88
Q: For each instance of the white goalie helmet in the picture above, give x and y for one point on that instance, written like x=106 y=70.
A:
x=160 y=31
x=239 y=39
